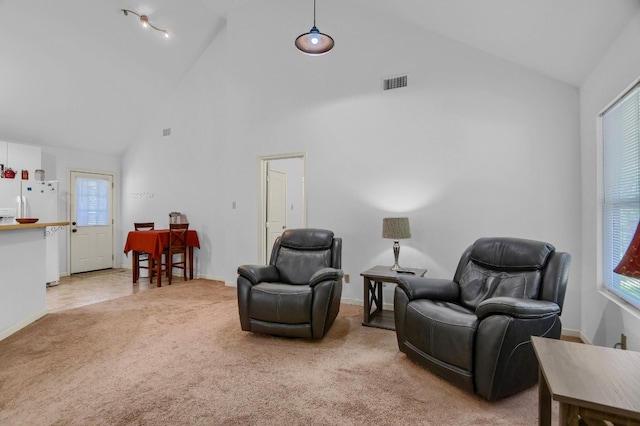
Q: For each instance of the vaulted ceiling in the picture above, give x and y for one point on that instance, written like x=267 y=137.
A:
x=79 y=74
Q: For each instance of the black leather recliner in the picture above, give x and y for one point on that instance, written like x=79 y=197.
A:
x=298 y=293
x=475 y=330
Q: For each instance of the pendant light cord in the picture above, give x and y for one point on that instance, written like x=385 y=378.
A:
x=314 y=13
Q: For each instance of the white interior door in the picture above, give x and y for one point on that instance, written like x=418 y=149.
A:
x=292 y=205
x=91 y=240
x=276 y=207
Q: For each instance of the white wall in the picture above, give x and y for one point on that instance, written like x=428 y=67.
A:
x=603 y=320
x=191 y=171
x=57 y=163
x=474 y=146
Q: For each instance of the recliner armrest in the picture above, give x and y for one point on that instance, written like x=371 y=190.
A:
x=325 y=274
x=259 y=273
x=516 y=307
x=429 y=288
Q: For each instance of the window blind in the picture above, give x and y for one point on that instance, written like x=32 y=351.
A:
x=621 y=201
x=93 y=202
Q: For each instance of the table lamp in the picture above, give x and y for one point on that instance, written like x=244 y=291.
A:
x=629 y=266
x=396 y=228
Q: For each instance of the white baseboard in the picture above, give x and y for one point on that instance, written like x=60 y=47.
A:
x=570 y=332
x=25 y=322
x=585 y=339
x=195 y=276
x=348 y=301
x=355 y=302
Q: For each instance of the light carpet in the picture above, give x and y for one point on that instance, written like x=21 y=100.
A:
x=176 y=356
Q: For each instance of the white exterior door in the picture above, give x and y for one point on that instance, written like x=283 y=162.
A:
x=276 y=207
x=91 y=240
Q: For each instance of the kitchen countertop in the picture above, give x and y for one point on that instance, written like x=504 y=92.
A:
x=15 y=226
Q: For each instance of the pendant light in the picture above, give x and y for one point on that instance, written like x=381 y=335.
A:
x=314 y=42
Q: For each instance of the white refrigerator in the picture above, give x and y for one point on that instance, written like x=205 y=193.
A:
x=9 y=198
x=41 y=199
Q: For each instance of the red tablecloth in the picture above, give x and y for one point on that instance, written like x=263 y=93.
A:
x=153 y=242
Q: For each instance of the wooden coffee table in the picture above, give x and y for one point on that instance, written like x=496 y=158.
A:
x=374 y=314
x=590 y=382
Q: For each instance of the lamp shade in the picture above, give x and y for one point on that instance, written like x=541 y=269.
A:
x=396 y=228
x=629 y=266
x=314 y=42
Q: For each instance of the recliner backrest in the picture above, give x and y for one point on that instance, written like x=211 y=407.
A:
x=494 y=267
x=556 y=276
x=299 y=253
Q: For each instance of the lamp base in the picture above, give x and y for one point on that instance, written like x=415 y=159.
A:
x=396 y=255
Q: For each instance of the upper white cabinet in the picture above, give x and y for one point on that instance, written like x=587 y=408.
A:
x=21 y=157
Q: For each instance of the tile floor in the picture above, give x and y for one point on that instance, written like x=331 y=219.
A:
x=92 y=287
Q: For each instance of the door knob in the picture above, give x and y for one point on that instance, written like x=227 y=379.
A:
x=74 y=230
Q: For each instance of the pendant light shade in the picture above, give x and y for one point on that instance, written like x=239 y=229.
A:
x=314 y=42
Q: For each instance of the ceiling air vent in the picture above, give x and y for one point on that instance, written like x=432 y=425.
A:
x=394 y=82
x=166 y=132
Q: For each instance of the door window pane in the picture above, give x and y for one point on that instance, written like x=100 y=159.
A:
x=92 y=202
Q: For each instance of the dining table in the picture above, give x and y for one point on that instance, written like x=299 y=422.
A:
x=154 y=242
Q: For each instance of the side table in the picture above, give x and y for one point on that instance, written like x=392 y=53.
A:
x=374 y=315
x=591 y=383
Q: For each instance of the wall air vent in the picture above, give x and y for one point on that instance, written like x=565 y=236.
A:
x=166 y=132
x=394 y=82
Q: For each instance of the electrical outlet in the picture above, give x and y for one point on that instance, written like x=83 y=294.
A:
x=622 y=344
x=347 y=278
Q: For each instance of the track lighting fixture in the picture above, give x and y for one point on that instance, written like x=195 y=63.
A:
x=144 y=20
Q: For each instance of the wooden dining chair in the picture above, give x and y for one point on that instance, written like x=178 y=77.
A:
x=144 y=260
x=177 y=247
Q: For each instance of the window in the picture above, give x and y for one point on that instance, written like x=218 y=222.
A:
x=621 y=201
x=92 y=202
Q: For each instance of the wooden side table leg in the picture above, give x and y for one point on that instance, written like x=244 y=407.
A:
x=544 y=401
x=190 y=262
x=569 y=415
x=379 y=287
x=367 y=300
